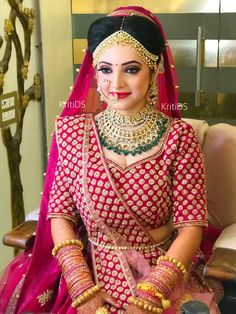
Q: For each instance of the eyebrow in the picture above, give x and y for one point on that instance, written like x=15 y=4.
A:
x=125 y=63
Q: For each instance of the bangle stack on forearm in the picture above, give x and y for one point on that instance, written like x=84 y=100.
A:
x=75 y=270
x=153 y=293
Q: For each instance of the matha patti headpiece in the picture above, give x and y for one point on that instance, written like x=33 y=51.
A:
x=121 y=37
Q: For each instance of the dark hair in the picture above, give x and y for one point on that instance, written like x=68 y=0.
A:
x=142 y=29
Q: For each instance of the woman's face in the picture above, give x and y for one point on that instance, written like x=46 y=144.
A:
x=123 y=78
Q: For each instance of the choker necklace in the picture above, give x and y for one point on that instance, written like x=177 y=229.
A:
x=133 y=134
x=129 y=120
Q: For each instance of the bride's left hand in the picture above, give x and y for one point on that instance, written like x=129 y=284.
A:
x=134 y=309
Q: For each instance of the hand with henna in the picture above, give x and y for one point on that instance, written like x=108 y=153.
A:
x=97 y=300
x=134 y=309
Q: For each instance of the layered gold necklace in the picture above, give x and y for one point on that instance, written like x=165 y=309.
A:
x=132 y=134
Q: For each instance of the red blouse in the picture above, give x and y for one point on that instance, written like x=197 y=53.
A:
x=127 y=202
x=169 y=183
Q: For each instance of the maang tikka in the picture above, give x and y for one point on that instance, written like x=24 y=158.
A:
x=121 y=37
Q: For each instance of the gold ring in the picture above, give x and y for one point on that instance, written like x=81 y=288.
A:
x=102 y=310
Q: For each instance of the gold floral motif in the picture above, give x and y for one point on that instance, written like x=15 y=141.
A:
x=25 y=70
x=31 y=25
x=8 y=27
x=45 y=297
x=25 y=100
x=27 y=11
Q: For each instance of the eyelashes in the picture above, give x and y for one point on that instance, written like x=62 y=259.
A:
x=105 y=70
x=129 y=70
x=133 y=70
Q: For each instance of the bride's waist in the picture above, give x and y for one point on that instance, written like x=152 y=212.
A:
x=158 y=237
x=161 y=233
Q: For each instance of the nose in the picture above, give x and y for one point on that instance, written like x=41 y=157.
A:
x=117 y=80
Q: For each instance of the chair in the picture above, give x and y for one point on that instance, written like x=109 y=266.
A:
x=218 y=143
x=219 y=149
x=23 y=236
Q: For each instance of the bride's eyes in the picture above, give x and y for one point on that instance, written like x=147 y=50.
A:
x=129 y=69
x=105 y=70
x=132 y=69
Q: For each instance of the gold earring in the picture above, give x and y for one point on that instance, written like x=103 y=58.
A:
x=161 y=68
x=153 y=94
x=100 y=93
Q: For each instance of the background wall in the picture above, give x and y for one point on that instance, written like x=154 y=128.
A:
x=31 y=147
x=57 y=57
x=213 y=78
x=52 y=56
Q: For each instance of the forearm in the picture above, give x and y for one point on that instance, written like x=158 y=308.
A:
x=186 y=244
x=62 y=230
x=171 y=269
x=68 y=251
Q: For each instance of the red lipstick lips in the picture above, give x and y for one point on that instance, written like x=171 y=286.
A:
x=120 y=95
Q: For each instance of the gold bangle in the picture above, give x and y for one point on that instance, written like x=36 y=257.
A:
x=145 y=305
x=101 y=310
x=66 y=243
x=174 y=261
x=165 y=303
x=85 y=295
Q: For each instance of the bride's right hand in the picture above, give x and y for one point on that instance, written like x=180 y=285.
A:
x=97 y=300
x=134 y=309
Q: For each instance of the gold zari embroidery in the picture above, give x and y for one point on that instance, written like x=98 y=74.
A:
x=137 y=247
x=45 y=297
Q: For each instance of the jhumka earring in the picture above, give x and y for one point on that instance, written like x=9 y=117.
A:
x=161 y=68
x=153 y=94
x=100 y=94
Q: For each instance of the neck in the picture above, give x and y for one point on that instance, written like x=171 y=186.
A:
x=135 y=119
x=130 y=111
